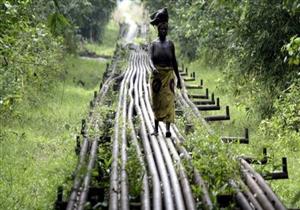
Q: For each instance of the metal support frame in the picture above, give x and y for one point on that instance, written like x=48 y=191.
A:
x=205 y=102
x=83 y=127
x=242 y=140
x=280 y=174
x=59 y=203
x=209 y=107
x=219 y=117
x=78 y=146
x=262 y=161
x=194 y=86
x=189 y=79
x=184 y=73
x=195 y=96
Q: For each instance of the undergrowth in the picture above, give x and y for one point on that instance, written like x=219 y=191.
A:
x=37 y=143
x=213 y=159
x=279 y=133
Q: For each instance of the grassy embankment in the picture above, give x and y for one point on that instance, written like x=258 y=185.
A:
x=240 y=119
x=37 y=146
x=106 y=48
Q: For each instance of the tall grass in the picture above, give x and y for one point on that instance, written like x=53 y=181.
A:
x=242 y=117
x=37 y=144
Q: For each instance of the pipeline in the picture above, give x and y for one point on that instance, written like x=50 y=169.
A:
x=145 y=194
x=165 y=184
x=114 y=180
x=187 y=193
x=163 y=148
x=156 y=194
x=79 y=178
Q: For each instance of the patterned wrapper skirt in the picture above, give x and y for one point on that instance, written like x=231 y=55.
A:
x=162 y=85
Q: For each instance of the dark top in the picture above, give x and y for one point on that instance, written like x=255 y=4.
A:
x=163 y=53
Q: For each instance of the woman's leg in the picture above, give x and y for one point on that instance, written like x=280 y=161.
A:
x=168 y=133
x=156 y=125
x=155 y=133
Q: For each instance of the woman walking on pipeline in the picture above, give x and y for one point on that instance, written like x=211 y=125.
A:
x=162 y=52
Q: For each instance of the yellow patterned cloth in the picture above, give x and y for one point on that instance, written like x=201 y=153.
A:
x=162 y=86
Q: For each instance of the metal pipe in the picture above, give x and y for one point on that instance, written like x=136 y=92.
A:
x=114 y=181
x=85 y=144
x=205 y=102
x=197 y=177
x=156 y=188
x=194 y=87
x=264 y=186
x=254 y=187
x=227 y=116
x=208 y=107
x=250 y=196
x=279 y=175
x=183 y=97
x=107 y=84
x=185 y=185
x=156 y=150
x=166 y=155
x=239 y=197
x=189 y=79
x=124 y=179
x=206 y=198
x=87 y=178
x=145 y=194
x=187 y=192
x=241 y=140
x=78 y=176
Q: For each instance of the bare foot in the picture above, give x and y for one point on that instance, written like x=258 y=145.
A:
x=168 y=134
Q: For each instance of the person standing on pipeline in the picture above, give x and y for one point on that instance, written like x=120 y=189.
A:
x=164 y=65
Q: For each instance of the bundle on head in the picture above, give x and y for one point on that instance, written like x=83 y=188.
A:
x=161 y=16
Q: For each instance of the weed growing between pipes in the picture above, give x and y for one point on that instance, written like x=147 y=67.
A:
x=135 y=174
x=210 y=156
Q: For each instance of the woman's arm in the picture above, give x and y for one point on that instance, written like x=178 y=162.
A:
x=154 y=70
x=175 y=65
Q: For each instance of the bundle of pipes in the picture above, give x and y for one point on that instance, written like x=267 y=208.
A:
x=261 y=191
x=169 y=187
x=89 y=146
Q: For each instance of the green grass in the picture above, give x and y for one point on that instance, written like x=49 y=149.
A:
x=37 y=146
x=107 y=47
x=240 y=119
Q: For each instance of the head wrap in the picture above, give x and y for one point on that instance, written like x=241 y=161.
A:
x=160 y=16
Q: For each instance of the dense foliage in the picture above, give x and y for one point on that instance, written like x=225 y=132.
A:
x=34 y=35
x=250 y=38
x=284 y=126
x=29 y=53
x=88 y=16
